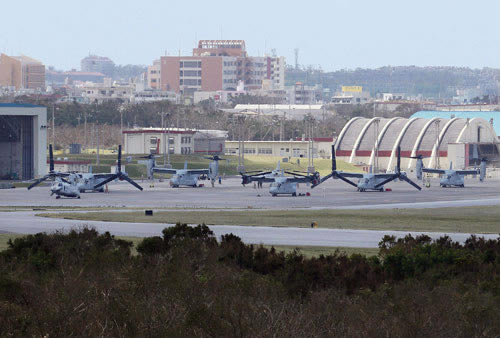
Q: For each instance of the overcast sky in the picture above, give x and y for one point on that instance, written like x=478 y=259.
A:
x=333 y=34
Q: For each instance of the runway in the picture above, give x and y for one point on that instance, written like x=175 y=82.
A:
x=27 y=223
x=333 y=194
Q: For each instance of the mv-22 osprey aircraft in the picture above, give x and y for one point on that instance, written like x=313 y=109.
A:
x=450 y=177
x=73 y=183
x=185 y=176
x=281 y=184
x=367 y=181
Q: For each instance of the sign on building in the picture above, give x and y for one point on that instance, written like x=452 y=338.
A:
x=352 y=89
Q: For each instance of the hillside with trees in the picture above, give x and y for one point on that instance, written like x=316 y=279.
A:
x=431 y=82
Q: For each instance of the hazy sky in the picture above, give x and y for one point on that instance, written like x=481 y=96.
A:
x=333 y=34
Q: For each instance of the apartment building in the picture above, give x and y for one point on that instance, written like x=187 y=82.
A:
x=219 y=65
x=22 y=72
x=153 y=75
x=94 y=63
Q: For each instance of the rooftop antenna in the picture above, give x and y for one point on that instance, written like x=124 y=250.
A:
x=296 y=54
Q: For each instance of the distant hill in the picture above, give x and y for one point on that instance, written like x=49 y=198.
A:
x=431 y=82
x=124 y=72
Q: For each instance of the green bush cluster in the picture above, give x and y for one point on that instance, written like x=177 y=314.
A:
x=186 y=283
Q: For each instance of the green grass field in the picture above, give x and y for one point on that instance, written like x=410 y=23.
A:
x=197 y=161
x=463 y=220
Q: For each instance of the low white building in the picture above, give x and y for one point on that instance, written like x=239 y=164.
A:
x=173 y=140
x=291 y=148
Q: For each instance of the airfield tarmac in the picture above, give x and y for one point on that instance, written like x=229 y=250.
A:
x=231 y=195
x=333 y=194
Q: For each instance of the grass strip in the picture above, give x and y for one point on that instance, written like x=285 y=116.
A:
x=483 y=219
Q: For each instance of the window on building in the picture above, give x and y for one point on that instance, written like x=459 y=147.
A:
x=264 y=151
x=171 y=140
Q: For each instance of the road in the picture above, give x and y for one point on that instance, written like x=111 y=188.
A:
x=27 y=223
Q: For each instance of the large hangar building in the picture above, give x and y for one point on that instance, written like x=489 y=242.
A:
x=374 y=142
x=23 y=141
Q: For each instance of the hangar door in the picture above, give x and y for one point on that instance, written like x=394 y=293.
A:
x=16 y=147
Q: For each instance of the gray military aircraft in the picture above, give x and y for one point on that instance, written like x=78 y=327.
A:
x=450 y=177
x=185 y=176
x=52 y=174
x=368 y=181
x=86 y=181
x=61 y=187
x=103 y=178
x=281 y=184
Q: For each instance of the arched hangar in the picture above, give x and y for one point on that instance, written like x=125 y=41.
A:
x=374 y=141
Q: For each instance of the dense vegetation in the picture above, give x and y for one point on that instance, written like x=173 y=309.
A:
x=186 y=283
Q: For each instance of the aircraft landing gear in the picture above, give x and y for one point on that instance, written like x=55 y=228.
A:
x=294 y=194
x=381 y=189
x=58 y=197
x=273 y=195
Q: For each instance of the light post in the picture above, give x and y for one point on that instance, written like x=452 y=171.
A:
x=97 y=138
x=53 y=125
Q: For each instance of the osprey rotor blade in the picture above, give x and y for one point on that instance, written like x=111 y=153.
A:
x=132 y=182
x=333 y=152
x=296 y=173
x=51 y=159
x=37 y=182
x=322 y=180
x=111 y=178
x=398 y=159
x=119 y=163
x=403 y=177
x=344 y=179
x=393 y=177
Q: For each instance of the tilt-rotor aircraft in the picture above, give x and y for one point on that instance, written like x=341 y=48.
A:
x=281 y=184
x=62 y=188
x=86 y=181
x=185 y=176
x=450 y=177
x=368 y=181
x=277 y=172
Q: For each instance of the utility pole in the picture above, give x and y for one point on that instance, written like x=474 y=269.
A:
x=163 y=138
x=85 y=129
x=97 y=137
x=53 y=126
x=168 y=149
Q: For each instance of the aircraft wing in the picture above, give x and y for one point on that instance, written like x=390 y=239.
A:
x=197 y=171
x=299 y=179
x=432 y=170
x=261 y=178
x=384 y=175
x=351 y=174
x=164 y=170
x=466 y=172
x=102 y=175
